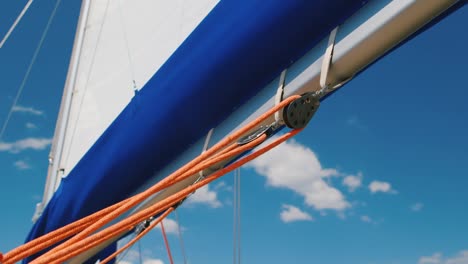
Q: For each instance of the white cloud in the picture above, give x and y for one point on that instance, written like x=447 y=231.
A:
x=22 y=165
x=27 y=143
x=436 y=258
x=366 y=219
x=145 y=261
x=170 y=226
x=295 y=167
x=29 y=110
x=222 y=186
x=30 y=125
x=291 y=213
x=205 y=196
x=353 y=181
x=133 y=257
x=380 y=186
x=153 y=261
x=417 y=207
x=461 y=258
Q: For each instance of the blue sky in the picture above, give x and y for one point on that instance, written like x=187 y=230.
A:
x=389 y=153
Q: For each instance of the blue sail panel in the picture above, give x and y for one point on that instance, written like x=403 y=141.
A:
x=234 y=52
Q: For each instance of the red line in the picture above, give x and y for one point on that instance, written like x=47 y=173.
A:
x=167 y=243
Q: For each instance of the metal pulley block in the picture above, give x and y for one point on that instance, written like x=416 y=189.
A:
x=299 y=112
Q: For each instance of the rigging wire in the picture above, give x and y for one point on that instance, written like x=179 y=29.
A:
x=238 y=216
x=139 y=251
x=30 y=66
x=7 y=35
x=147 y=227
x=234 y=219
x=121 y=257
x=236 y=252
x=127 y=45
x=181 y=241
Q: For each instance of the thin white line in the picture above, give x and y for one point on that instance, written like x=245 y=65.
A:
x=234 y=220
x=239 y=216
x=181 y=241
x=16 y=23
x=28 y=71
x=127 y=45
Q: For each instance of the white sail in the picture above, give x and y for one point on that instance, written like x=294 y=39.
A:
x=361 y=40
x=118 y=46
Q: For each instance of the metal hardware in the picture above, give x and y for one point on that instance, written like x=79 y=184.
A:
x=299 y=112
x=143 y=225
x=255 y=134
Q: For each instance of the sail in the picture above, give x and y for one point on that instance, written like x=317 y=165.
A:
x=236 y=50
x=119 y=45
x=229 y=59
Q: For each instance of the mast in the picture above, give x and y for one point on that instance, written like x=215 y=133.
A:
x=55 y=156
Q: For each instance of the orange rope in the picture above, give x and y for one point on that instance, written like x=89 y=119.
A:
x=163 y=231
x=54 y=237
x=85 y=229
x=81 y=247
x=86 y=243
x=135 y=239
x=170 y=179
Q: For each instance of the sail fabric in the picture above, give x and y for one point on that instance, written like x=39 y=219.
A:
x=238 y=48
x=125 y=43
